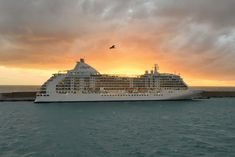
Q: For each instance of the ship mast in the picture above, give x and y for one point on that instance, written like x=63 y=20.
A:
x=156 y=68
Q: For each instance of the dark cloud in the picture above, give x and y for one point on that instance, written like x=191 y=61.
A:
x=215 y=12
x=197 y=33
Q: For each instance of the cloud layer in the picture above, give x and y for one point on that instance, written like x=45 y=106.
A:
x=195 y=37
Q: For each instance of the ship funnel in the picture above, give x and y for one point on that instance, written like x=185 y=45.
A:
x=82 y=60
x=155 y=68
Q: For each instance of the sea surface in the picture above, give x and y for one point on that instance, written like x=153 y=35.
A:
x=118 y=129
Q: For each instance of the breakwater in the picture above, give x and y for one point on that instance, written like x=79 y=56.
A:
x=217 y=94
x=18 y=96
x=30 y=96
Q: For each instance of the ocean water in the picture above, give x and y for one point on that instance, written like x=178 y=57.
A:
x=118 y=129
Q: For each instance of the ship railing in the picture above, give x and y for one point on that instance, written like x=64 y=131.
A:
x=122 y=75
x=62 y=72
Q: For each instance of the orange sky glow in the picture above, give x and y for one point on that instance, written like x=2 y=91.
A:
x=109 y=62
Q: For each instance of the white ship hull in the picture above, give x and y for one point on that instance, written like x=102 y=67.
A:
x=164 y=95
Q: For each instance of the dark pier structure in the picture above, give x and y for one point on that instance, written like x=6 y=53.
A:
x=18 y=96
x=217 y=94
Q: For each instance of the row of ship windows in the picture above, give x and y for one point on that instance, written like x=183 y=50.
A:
x=121 y=82
x=166 y=88
x=43 y=95
x=121 y=78
x=117 y=81
x=68 y=87
x=98 y=80
x=131 y=95
x=113 y=84
x=67 y=90
x=74 y=92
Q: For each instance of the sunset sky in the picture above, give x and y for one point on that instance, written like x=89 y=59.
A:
x=195 y=38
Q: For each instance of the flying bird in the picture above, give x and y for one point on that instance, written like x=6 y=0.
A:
x=112 y=47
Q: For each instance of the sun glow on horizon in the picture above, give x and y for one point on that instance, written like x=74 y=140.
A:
x=27 y=76
x=23 y=76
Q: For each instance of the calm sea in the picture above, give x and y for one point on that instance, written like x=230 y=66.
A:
x=119 y=129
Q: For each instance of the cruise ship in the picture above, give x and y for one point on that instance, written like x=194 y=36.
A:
x=85 y=83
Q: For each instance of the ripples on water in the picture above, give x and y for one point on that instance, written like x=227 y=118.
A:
x=160 y=128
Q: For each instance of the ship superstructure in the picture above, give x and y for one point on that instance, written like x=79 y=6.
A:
x=84 y=83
